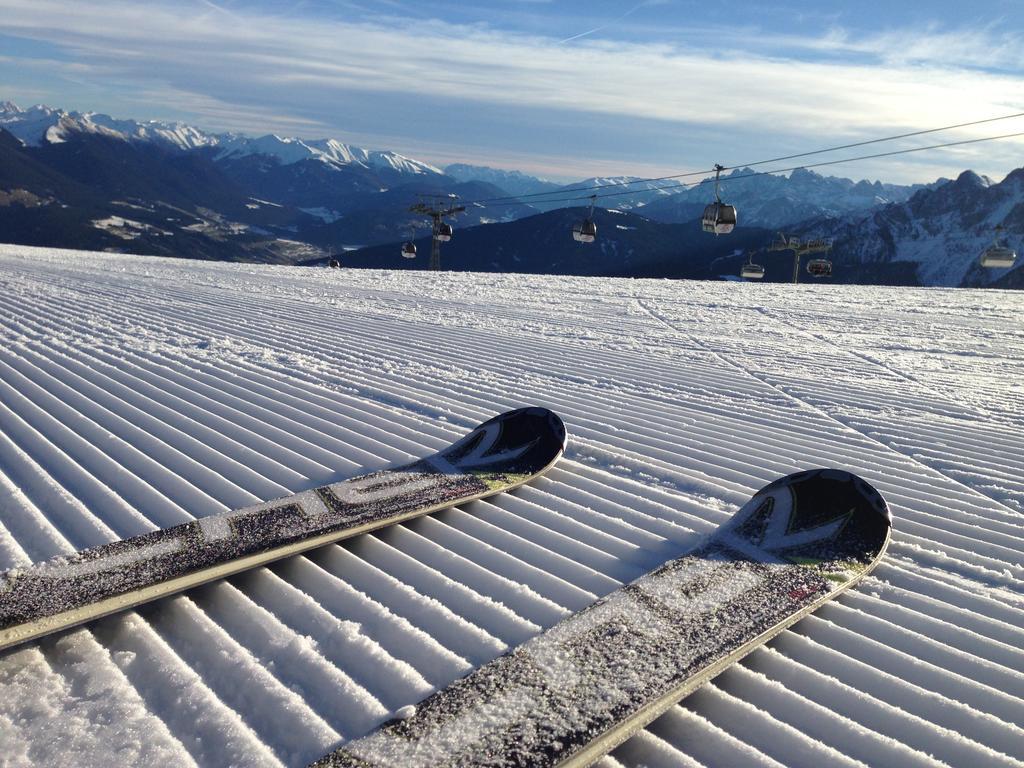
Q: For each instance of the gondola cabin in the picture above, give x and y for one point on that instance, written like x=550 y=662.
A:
x=409 y=250
x=444 y=232
x=334 y=264
x=719 y=218
x=998 y=256
x=752 y=271
x=819 y=267
x=585 y=231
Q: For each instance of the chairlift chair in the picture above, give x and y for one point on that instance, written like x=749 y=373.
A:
x=719 y=218
x=586 y=231
x=819 y=267
x=752 y=271
x=997 y=254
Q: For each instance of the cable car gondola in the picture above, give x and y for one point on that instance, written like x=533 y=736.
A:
x=819 y=267
x=752 y=271
x=409 y=250
x=334 y=264
x=443 y=233
x=998 y=255
x=719 y=218
x=586 y=231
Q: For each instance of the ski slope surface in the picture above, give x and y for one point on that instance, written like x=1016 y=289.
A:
x=137 y=393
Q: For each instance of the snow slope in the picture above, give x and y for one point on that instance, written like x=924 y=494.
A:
x=136 y=393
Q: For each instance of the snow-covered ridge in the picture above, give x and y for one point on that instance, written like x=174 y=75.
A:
x=289 y=150
x=637 y=187
x=41 y=124
x=667 y=187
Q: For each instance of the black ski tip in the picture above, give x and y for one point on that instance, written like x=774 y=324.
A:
x=534 y=421
x=526 y=440
x=815 y=514
x=845 y=486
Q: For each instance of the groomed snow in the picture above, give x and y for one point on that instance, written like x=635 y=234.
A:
x=136 y=393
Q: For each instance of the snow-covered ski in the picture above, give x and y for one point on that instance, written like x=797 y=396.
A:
x=573 y=693
x=499 y=455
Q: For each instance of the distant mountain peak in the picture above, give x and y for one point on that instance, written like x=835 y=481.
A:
x=484 y=172
x=513 y=182
x=970 y=178
x=1015 y=177
x=287 y=150
x=804 y=173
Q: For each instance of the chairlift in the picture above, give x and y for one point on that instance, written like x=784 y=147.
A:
x=443 y=233
x=819 y=267
x=998 y=255
x=409 y=250
x=586 y=231
x=752 y=271
x=719 y=218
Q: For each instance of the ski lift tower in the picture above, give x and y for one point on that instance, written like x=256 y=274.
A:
x=441 y=232
x=800 y=248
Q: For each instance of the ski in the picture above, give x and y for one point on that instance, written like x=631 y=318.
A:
x=573 y=693
x=501 y=454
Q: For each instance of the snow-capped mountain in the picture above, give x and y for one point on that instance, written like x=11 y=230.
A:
x=331 y=152
x=622 y=193
x=42 y=124
x=89 y=181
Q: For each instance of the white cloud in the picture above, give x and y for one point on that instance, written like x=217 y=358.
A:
x=886 y=84
x=985 y=48
x=226 y=115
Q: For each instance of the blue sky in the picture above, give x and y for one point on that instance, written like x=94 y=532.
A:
x=564 y=89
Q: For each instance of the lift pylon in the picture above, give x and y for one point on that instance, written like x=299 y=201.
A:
x=440 y=231
x=800 y=248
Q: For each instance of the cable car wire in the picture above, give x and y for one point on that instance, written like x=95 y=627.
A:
x=879 y=141
x=734 y=177
x=520 y=198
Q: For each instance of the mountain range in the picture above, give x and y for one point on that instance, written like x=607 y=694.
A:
x=45 y=125
x=774 y=201
x=937 y=234
x=86 y=180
